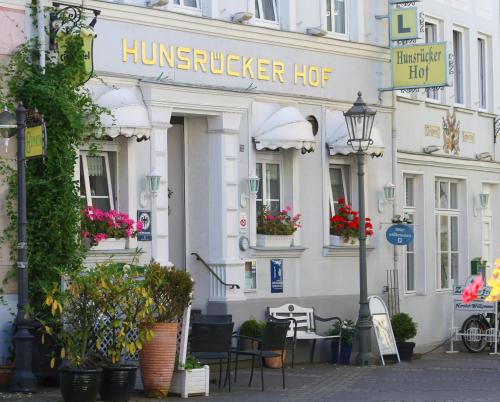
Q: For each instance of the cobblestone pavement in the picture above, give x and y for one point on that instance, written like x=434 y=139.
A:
x=437 y=377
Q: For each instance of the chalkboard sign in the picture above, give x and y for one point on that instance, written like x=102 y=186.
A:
x=383 y=329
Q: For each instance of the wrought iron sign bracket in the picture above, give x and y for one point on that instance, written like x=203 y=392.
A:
x=67 y=14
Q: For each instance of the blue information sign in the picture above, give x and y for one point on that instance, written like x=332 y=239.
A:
x=145 y=233
x=399 y=235
x=277 y=276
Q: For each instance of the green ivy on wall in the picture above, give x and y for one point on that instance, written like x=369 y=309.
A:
x=53 y=201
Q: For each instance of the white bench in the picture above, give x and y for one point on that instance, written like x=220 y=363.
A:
x=304 y=327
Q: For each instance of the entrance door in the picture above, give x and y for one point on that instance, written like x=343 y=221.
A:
x=176 y=202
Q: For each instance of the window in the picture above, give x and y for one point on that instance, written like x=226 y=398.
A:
x=251 y=275
x=447 y=216
x=481 y=64
x=430 y=37
x=336 y=16
x=270 y=186
x=459 y=67
x=96 y=180
x=409 y=211
x=266 y=10
x=339 y=186
x=188 y=3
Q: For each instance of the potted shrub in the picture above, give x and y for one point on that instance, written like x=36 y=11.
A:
x=404 y=328
x=107 y=230
x=251 y=328
x=170 y=290
x=123 y=302
x=193 y=379
x=75 y=314
x=276 y=230
x=348 y=333
x=344 y=226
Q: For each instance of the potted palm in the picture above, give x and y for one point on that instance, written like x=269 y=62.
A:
x=123 y=302
x=74 y=314
x=404 y=328
x=170 y=290
x=347 y=331
x=344 y=226
x=276 y=229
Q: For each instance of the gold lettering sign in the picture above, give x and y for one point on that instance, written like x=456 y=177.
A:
x=469 y=137
x=220 y=63
x=33 y=141
x=432 y=131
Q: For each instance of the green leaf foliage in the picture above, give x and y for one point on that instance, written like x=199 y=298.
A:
x=252 y=328
x=403 y=326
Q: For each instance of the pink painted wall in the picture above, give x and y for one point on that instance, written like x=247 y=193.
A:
x=11 y=29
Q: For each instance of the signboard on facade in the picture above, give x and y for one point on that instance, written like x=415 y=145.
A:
x=403 y=23
x=399 y=235
x=432 y=131
x=277 y=276
x=145 y=234
x=419 y=66
x=469 y=137
x=34 y=141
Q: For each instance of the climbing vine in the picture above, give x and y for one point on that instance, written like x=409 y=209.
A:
x=53 y=200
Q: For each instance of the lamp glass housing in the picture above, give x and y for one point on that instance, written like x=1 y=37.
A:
x=389 y=191
x=253 y=185
x=154 y=183
x=483 y=200
x=359 y=119
x=8 y=124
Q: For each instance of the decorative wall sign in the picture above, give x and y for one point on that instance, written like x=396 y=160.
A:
x=403 y=22
x=451 y=133
x=469 y=137
x=277 y=276
x=146 y=232
x=432 y=131
x=399 y=235
x=243 y=222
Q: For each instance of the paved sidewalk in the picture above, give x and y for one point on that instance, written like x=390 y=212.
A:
x=437 y=377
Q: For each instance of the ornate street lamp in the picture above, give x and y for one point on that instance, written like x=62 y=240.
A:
x=359 y=119
x=23 y=379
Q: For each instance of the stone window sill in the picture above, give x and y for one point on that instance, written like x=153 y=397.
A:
x=344 y=251
x=278 y=252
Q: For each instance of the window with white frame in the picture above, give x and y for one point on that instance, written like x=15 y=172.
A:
x=269 y=173
x=96 y=180
x=188 y=3
x=340 y=179
x=431 y=36
x=458 y=51
x=447 y=232
x=336 y=16
x=410 y=212
x=482 y=78
x=266 y=10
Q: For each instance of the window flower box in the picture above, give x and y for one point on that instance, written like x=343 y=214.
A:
x=191 y=382
x=340 y=241
x=344 y=226
x=274 y=241
x=110 y=244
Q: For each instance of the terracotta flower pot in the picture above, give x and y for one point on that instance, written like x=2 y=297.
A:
x=157 y=360
x=274 y=362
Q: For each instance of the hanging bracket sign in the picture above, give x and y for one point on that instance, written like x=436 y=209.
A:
x=399 y=235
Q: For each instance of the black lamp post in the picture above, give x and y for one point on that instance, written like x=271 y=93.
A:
x=23 y=379
x=359 y=119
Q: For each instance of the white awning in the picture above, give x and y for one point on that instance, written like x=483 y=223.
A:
x=337 y=136
x=129 y=116
x=277 y=126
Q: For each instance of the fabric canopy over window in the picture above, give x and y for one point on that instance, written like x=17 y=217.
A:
x=129 y=116
x=277 y=126
x=337 y=136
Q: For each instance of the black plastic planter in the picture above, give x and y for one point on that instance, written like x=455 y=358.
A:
x=80 y=385
x=405 y=350
x=117 y=383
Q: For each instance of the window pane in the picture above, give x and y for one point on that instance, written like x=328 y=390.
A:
x=329 y=26
x=190 y=3
x=454 y=233
x=453 y=196
x=458 y=78
x=431 y=36
x=444 y=271
x=82 y=180
x=443 y=233
x=268 y=10
x=410 y=271
x=336 y=183
x=101 y=203
x=443 y=194
x=177 y=2
x=481 y=52
x=257 y=9
x=273 y=181
x=454 y=268
x=340 y=16
x=261 y=182
x=98 y=176
x=409 y=192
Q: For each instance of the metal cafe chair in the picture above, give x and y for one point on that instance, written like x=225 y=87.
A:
x=212 y=341
x=272 y=344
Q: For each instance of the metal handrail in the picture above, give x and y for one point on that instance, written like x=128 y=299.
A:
x=231 y=285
